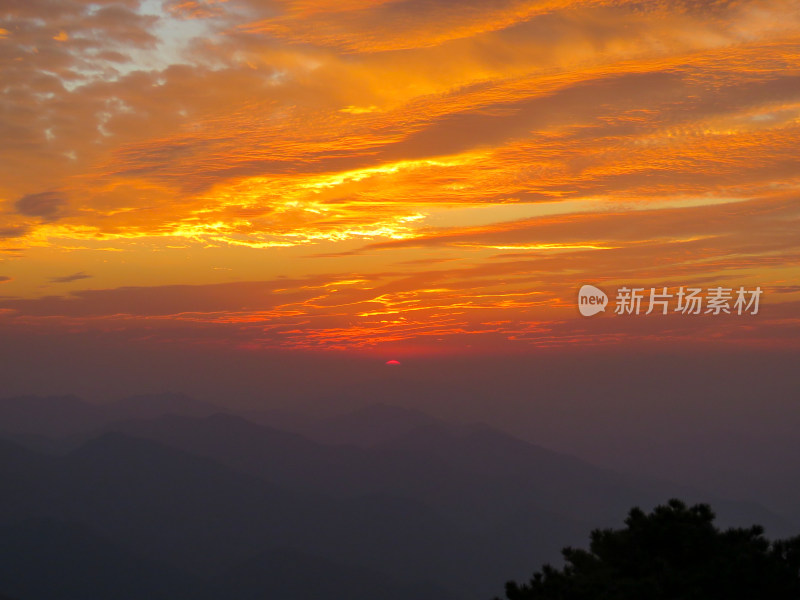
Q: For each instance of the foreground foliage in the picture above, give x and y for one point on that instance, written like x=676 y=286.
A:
x=673 y=553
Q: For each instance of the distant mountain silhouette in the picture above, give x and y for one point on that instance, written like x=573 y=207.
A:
x=277 y=456
x=479 y=476
x=291 y=575
x=200 y=517
x=433 y=464
x=45 y=559
x=56 y=416
x=148 y=406
x=369 y=426
x=49 y=416
x=414 y=509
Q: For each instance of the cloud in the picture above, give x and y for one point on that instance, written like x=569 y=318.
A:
x=5 y=279
x=527 y=101
x=649 y=141
x=195 y=9
x=511 y=302
x=47 y=205
x=772 y=221
x=70 y=278
x=643 y=129
x=14 y=231
x=395 y=25
x=484 y=328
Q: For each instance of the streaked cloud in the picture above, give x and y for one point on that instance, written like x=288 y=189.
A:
x=465 y=162
x=70 y=278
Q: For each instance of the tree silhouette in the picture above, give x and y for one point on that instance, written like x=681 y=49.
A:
x=673 y=553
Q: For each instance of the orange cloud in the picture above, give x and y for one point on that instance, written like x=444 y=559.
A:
x=465 y=164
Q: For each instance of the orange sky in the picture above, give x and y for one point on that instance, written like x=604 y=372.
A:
x=397 y=176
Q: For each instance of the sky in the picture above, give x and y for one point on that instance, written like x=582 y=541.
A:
x=258 y=181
